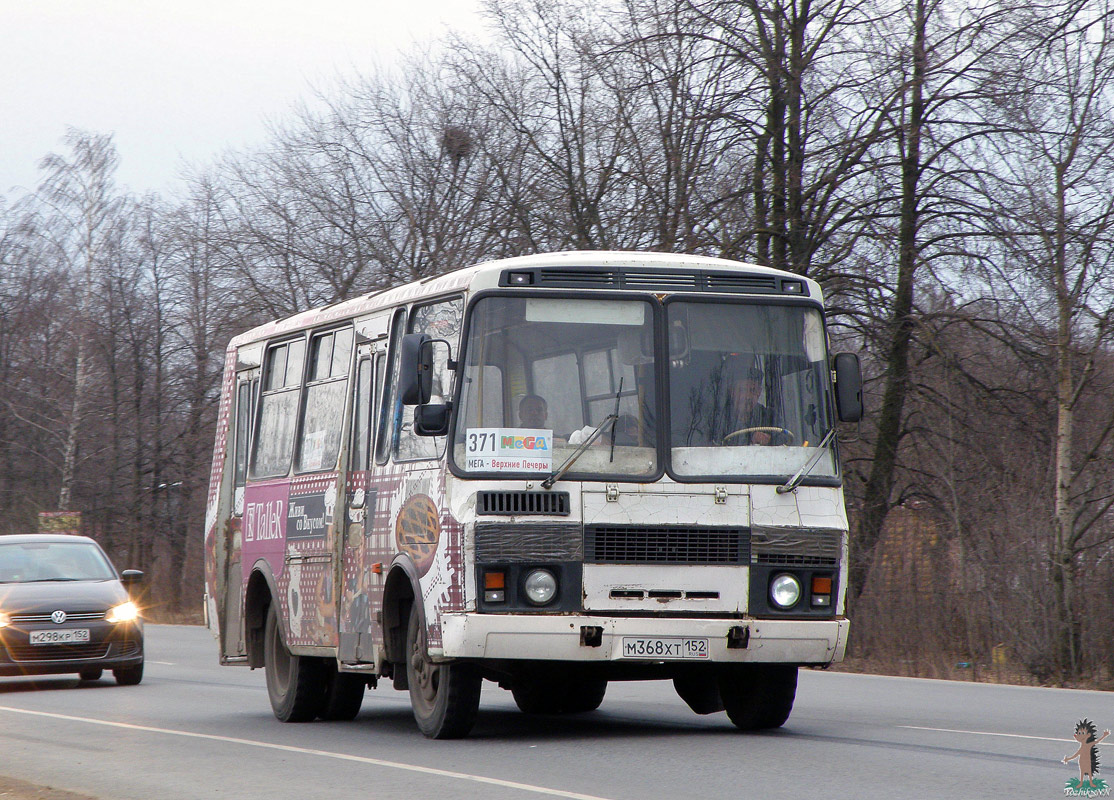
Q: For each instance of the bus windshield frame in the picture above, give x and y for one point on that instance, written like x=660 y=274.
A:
x=650 y=355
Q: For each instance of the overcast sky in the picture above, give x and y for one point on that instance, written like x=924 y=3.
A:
x=183 y=80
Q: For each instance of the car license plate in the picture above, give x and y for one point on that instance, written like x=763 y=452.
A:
x=663 y=647
x=67 y=636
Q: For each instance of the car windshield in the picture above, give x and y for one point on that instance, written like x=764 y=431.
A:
x=542 y=374
x=748 y=390
x=33 y=562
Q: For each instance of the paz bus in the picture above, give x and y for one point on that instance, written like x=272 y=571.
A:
x=550 y=472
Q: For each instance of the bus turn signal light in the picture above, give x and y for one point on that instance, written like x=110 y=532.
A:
x=822 y=591
x=495 y=584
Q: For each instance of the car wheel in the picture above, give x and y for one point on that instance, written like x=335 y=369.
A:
x=295 y=684
x=128 y=676
x=91 y=674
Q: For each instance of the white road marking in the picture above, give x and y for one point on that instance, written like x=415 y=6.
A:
x=164 y=663
x=377 y=762
x=993 y=733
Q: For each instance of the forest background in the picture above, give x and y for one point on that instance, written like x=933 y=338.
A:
x=945 y=169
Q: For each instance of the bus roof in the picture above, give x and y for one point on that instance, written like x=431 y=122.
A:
x=486 y=275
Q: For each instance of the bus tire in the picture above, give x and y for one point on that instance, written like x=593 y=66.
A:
x=344 y=694
x=700 y=691
x=295 y=684
x=552 y=694
x=584 y=695
x=445 y=697
x=758 y=696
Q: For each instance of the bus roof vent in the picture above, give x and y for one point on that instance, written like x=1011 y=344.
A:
x=677 y=281
x=653 y=280
x=740 y=282
x=579 y=278
x=494 y=503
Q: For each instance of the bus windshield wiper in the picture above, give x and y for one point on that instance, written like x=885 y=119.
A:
x=795 y=481
x=561 y=470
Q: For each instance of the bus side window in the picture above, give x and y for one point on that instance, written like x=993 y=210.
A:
x=389 y=405
x=278 y=409
x=361 y=416
x=440 y=321
x=244 y=406
x=326 y=390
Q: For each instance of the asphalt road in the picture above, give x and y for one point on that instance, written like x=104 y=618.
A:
x=194 y=729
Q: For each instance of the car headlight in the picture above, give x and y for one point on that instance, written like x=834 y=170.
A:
x=125 y=612
x=785 y=591
x=541 y=587
x=5 y=620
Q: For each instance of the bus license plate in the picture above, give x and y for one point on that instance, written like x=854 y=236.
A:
x=68 y=636
x=664 y=647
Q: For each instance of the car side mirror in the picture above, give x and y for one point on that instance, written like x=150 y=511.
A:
x=849 y=387
x=132 y=579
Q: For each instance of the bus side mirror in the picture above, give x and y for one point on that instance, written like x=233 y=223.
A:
x=432 y=419
x=415 y=369
x=849 y=387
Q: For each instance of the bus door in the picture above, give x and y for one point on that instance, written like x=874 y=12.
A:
x=361 y=581
x=246 y=392
x=422 y=528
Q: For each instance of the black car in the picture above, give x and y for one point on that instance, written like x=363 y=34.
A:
x=63 y=608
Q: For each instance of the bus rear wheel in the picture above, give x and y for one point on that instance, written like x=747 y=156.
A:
x=445 y=696
x=295 y=684
x=344 y=694
x=758 y=696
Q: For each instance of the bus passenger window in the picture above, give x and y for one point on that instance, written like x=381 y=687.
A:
x=361 y=417
x=389 y=402
x=243 y=424
x=278 y=409
x=323 y=414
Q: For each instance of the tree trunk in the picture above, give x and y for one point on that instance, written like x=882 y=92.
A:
x=879 y=485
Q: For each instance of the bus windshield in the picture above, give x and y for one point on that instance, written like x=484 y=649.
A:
x=747 y=389
x=542 y=373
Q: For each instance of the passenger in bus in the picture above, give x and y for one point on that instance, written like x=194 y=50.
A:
x=744 y=409
x=532 y=411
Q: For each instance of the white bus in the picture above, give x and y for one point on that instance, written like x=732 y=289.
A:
x=550 y=472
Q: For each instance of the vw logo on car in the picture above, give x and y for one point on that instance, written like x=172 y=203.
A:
x=58 y=617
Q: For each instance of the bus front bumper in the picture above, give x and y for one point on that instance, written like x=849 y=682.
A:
x=560 y=638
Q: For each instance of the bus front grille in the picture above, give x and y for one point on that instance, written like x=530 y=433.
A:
x=635 y=544
x=496 y=503
x=796 y=547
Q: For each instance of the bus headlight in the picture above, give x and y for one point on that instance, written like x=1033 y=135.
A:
x=785 y=591
x=125 y=612
x=541 y=587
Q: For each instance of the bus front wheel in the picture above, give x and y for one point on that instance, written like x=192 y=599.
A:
x=758 y=696
x=551 y=693
x=295 y=684
x=445 y=696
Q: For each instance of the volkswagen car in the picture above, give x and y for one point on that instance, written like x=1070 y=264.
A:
x=64 y=608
